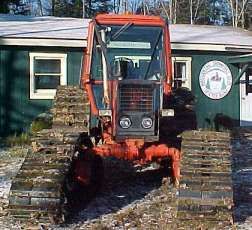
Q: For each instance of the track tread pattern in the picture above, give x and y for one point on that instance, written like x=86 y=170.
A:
x=205 y=195
x=37 y=192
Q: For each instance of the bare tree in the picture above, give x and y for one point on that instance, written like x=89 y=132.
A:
x=83 y=8
x=194 y=9
x=146 y=7
x=40 y=7
x=53 y=7
x=116 y=6
x=238 y=9
x=133 y=5
x=120 y=6
x=170 y=10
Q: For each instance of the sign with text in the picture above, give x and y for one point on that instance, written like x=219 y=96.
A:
x=215 y=79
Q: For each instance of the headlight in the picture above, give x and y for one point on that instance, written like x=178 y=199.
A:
x=146 y=123
x=125 y=122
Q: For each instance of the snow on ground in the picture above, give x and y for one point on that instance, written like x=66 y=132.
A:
x=8 y=168
x=10 y=162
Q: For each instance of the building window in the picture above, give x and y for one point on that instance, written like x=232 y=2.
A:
x=47 y=71
x=181 y=69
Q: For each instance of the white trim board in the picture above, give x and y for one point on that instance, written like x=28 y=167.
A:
x=82 y=43
x=43 y=42
x=210 y=47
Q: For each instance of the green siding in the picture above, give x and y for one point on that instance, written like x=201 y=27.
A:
x=74 y=60
x=206 y=108
x=16 y=109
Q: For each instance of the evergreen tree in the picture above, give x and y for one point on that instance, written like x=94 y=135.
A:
x=74 y=8
x=218 y=12
x=183 y=12
x=208 y=84
x=4 y=5
x=94 y=7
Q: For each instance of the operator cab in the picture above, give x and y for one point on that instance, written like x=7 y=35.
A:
x=133 y=52
x=128 y=74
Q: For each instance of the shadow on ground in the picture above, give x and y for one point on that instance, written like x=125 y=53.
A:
x=123 y=186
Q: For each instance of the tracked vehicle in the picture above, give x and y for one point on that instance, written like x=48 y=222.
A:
x=124 y=98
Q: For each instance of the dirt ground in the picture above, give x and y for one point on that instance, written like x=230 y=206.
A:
x=134 y=197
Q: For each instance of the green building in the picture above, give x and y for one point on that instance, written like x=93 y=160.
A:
x=39 y=53
x=36 y=54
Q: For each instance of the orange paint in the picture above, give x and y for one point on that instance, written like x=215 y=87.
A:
x=117 y=19
x=130 y=149
x=134 y=150
x=111 y=19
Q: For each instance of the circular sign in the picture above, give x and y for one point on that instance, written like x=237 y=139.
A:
x=215 y=79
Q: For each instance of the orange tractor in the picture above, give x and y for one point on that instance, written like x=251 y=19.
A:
x=123 y=109
x=127 y=77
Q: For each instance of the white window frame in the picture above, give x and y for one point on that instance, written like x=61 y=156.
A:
x=47 y=93
x=187 y=82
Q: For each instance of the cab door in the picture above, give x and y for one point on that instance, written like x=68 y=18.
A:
x=246 y=98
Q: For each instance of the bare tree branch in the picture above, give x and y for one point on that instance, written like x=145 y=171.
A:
x=40 y=7
x=166 y=12
x=238 y=9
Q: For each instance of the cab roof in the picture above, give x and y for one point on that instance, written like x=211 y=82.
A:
x=121 y=19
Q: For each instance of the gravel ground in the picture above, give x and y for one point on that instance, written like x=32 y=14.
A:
x=242 y=177
x=11 y=161
x=135 y=198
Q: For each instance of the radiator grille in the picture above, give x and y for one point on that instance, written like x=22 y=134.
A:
x=137 y=98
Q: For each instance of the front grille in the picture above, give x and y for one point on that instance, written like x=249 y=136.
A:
x=137 y=98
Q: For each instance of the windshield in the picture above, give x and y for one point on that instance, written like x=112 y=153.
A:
x=137 y=49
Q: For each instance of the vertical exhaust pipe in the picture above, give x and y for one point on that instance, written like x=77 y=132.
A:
x=105 y=74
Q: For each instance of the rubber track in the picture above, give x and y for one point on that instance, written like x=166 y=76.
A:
x=205 y=196
x=37 y=192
